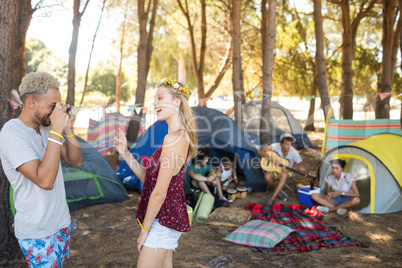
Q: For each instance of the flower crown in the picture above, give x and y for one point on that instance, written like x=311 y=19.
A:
x=185 y=91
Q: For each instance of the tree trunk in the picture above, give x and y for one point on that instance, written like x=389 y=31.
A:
x=346 y=100
x=382 y=107
x=73 y=51
x=144 y=57
x=198 y=67
x=9 y=12
x=320 y=59
x=90 y=55
x=349 y=32
x=400 y=42
x=182 y=70
x=19 y=55
x=118 y=75
x=225 y=66
x=238 y=87
x=309 y=125
x=267 y=70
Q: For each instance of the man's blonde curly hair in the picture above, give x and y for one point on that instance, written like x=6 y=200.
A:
x=37 y=83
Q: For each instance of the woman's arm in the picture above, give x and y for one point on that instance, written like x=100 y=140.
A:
x=121 y=146
x=354 y=189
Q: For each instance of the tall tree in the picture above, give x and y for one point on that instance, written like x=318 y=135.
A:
x=320 y=59
x=25 y=13
x=9 y=17
x=267 y=71
x=90 y=54
x=73 y=50
x=144 y=58
x=121 y=51
x=382 y=107
x=349 y=33
x=237 y=75
x=198 y=63
x=400 y=42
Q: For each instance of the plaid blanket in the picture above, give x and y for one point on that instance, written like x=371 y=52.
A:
x=310 y=234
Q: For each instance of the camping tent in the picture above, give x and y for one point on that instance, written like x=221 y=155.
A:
x=374 y=164
x=94 y=182
x=215 y=130
x=282 y=121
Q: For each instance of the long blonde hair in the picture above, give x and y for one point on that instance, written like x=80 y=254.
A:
x=187 y=117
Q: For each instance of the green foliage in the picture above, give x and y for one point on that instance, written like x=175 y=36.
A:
x=103 y=80
x=40 y=58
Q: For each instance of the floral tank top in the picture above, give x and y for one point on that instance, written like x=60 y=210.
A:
x=173 y=213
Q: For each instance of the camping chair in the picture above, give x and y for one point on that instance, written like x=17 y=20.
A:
x=292 y=188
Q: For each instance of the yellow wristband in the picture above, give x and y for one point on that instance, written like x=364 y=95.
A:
x=57 y=134
x=143 y=226
x=71 y=135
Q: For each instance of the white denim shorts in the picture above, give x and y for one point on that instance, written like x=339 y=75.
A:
x=160 y=236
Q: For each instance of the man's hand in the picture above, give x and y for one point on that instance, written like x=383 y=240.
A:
x=59 y=118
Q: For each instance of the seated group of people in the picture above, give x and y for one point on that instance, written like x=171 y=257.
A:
x=213 y=180
x=341 y=192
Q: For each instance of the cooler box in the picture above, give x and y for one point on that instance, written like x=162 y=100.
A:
x=305 y=195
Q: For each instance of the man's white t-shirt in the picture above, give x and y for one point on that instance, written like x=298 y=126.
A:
x=292 y=156
x=39 y=213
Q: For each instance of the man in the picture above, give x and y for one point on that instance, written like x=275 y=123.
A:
x=30 y=149
x=285 y=150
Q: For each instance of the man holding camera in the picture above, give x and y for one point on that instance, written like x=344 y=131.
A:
x=30 y=150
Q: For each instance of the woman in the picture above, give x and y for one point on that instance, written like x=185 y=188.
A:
x=342 y=192
x=203 y=176
x=162 y=212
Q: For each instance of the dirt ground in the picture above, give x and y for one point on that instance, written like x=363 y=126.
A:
x=105 y=236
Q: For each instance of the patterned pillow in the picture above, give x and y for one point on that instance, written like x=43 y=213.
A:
x=259 y=233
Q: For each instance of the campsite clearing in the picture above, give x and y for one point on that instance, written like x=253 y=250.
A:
x=105 y=236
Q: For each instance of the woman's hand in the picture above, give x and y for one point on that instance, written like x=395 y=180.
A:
x=141 y=239
x=334 y=193
x=120 y=141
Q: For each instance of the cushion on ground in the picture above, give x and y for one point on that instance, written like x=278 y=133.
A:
x=227 y=216
x=259 y=233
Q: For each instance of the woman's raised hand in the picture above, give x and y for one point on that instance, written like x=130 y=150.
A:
x=120 y=141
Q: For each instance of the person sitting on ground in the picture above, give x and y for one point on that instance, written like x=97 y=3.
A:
x=202 y=175
x=342 y=192
x=285 y=150
x=228 y=174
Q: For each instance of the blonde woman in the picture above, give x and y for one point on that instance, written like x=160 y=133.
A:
x=162 y=212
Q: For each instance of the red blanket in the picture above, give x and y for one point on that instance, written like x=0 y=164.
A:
x=310 y=234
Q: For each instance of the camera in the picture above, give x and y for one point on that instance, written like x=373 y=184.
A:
x=69 y=111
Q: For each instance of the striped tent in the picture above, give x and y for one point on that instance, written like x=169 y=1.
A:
x=343 y=132
x=374 y=164
x=101 y=133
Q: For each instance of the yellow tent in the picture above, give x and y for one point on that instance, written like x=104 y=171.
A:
x=374 y=164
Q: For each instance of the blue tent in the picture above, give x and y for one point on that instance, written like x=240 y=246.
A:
x=216 y=131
